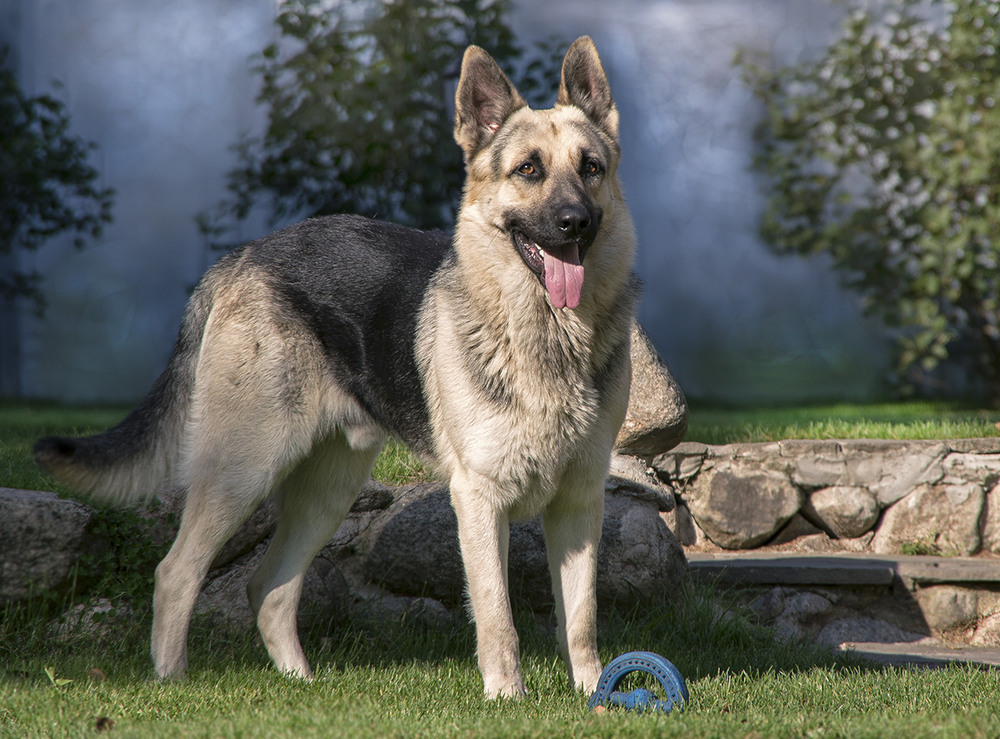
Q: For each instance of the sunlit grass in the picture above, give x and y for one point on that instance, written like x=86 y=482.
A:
x=911 y=420
x=397 y=465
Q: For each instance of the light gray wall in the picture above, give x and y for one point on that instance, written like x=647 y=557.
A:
x=733 y=320
x=164 y=88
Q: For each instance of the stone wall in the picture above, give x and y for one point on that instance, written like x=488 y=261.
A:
x=397 y=549
x=881 y=496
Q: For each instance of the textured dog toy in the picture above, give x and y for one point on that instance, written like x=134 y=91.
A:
x=640 y=699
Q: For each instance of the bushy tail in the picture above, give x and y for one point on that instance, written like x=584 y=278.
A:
x=130 y=462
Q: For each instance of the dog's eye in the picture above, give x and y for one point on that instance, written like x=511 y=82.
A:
x=592 y=167
x=527 y=169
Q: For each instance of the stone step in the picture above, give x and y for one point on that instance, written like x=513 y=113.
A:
x=927 y=654
x=909 y=610
x=848 y=569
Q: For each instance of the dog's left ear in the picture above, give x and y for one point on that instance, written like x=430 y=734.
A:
x=585 y=85
x=484 y=100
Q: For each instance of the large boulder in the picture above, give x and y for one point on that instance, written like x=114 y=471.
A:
x=657 y=414
x=413 y=550
x=42 y=537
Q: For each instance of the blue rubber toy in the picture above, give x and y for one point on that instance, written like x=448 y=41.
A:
x=641 y=699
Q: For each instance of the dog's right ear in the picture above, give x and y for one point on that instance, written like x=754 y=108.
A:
x=484 y=100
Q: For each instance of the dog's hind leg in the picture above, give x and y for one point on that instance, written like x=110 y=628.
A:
x=572 y=525
x=216 y=507
x=312 y=501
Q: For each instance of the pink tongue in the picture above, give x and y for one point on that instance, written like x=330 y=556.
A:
x=564 y=276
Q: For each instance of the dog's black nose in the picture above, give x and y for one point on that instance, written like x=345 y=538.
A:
x=573 y=220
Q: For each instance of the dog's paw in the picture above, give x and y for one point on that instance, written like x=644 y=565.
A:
x=510 y=689
x=586 y=678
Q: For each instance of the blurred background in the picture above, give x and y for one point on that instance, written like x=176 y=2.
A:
x=165 y=90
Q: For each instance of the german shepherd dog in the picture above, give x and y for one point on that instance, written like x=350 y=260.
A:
x=500 y=353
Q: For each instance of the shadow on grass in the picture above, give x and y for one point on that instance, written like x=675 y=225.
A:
x=699 y=629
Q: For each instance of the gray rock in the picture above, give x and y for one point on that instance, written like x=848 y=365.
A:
x=224 y=599
x=657 y=414
x=962 y=467
x=804 y=606
x=374 y=496
x=770 y=605
x=901 y=473
x=945 y=517
x=946 y=607
x=797 y=528
x=393 y=608
x=800 y=610
x=889 y=469
x=821 y=543
x=863 y=629
x=413 y=551
x=42 y=537
x=739 y=506
x=987 y=632
x=631 y=476
x=682 y=463
x=639 y=557
x=845 y=511
x=98 y=617
x=991 y=522
x=681 y=525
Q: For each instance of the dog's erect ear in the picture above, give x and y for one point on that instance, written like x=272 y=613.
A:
x=585 y=85
x=484 y=100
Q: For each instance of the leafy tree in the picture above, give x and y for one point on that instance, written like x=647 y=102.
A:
x=885 y=155
x=358 y=111
x=46 y=185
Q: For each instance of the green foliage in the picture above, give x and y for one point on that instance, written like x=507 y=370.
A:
x=358 y=99
x=46 y=185
x=124 y=561
x=928 y=546
x=884 y=156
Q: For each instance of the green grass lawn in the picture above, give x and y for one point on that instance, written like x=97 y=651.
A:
x=409 y=680
x=406 y=679
x=911 y=420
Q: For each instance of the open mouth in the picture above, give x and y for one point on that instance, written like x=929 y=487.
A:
x=559 y=268
x=530 y=252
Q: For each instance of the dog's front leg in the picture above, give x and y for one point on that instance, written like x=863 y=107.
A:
x=484 y=535
x=572 y=534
